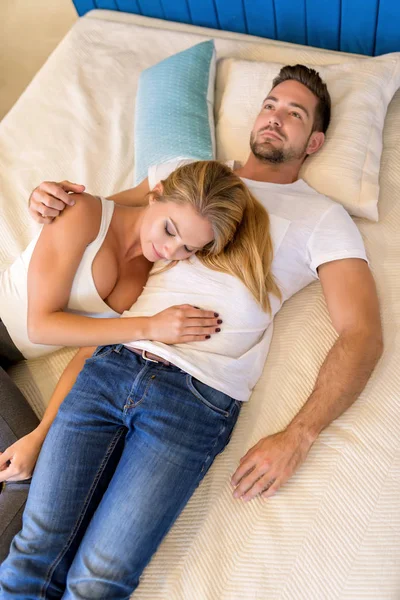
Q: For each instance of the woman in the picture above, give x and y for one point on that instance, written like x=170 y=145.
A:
x=136 y=434
x=101 y=254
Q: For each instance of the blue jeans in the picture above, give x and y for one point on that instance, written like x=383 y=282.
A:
x=129 y=446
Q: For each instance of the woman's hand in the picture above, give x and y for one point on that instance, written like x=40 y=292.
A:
x=18 y=461
x=49 y=199
x=183 y=323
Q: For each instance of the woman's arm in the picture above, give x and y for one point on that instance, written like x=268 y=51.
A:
x=55 y=260
x=18 y=460
x=63 y=387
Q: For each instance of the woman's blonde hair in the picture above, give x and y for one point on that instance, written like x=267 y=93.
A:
x=242 y=244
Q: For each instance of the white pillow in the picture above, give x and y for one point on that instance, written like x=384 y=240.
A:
x=347 y=167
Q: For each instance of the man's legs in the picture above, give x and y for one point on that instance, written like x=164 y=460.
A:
x=176 y=428
x=16 y=420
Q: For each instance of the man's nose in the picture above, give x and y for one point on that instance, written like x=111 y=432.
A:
x=275 y=119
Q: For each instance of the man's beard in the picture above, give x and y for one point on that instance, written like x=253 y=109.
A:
x=267 y=153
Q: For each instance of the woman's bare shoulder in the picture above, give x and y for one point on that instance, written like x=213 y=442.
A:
x=84 y=217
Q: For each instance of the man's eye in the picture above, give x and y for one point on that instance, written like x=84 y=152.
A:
x=296 y=114
x=268 y=106
x=167 y=231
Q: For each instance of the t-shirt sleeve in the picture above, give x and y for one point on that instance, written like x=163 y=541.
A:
x=335 y=237
x=160 y=172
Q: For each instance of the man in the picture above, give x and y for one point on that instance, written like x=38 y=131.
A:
x=290 y=126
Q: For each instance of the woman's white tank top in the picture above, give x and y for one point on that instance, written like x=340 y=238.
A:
x=84 y=298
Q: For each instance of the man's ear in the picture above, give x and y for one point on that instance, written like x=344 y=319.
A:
x=315 y=142
x=159 y=189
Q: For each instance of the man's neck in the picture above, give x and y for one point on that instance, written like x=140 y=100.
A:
x=263 y=171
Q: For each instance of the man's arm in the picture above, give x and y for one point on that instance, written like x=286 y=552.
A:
x=134 y=196
x=49 y=199
x=350 y=294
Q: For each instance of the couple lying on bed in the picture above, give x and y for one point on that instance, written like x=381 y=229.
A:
x=143 y=418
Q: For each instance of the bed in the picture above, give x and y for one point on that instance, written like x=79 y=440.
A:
x=333 y=531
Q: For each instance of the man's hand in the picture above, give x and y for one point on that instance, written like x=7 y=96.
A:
x=50 y=198
x=269 y=464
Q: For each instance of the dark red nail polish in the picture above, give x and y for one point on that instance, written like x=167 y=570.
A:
x=218 y=330
x=219 y=321
x=208 y=337
x=216 y=315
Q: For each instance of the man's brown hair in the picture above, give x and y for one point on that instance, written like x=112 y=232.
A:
x=311 y=79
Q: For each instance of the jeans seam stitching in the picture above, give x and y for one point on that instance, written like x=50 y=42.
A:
x=144 y=394
x=130 y=402
x=221 y=431
x=223 y=428
x=62 y=552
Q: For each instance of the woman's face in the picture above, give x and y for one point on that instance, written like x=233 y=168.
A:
x=173 y=231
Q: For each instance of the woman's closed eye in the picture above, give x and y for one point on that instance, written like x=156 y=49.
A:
x=168 y=232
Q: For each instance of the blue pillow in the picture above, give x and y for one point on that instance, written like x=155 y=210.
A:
x=175 y=109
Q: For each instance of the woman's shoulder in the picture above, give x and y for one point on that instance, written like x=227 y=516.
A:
x=86 y=204
x=84 y=216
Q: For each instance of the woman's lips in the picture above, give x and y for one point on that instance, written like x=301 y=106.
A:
x=157 y=253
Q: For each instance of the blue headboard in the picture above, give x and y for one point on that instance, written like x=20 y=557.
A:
x=362 y=26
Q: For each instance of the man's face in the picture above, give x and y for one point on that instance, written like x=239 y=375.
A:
x=283 y=129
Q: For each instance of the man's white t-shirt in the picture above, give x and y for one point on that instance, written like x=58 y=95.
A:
x=307 y=229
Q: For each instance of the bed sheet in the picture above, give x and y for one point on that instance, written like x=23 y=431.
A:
x=333 y=531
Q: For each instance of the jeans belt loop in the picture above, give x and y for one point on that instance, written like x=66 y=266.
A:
x=147 y=358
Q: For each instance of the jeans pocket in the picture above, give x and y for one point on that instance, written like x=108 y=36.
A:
x=215 y=400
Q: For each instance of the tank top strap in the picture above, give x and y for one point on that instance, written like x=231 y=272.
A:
x=107 y=211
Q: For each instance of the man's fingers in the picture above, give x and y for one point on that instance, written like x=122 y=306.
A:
x=272 y=489
x=245 y=487
x=263 y=484
x=43 y=199
x=68 y=186
x=54 y=193
x=50 y=198
x=49 y=213
x=241 y=473
x=45 y=220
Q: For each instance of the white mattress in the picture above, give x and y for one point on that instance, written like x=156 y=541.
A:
x=333 y=532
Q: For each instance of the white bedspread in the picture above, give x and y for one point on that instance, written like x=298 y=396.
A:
x=333 y=532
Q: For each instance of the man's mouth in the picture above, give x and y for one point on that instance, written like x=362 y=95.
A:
x=272 y=134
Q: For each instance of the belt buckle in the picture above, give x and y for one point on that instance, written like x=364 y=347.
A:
x=147 y=358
